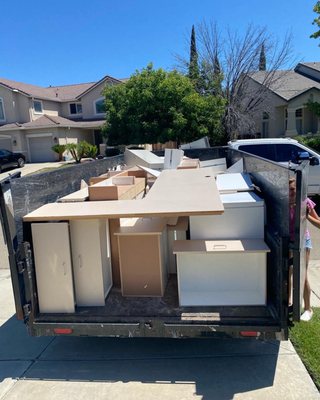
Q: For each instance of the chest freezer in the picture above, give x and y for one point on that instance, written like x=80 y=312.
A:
x=243 y=218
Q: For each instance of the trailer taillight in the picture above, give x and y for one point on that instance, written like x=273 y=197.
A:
x=62 y=331
x=250 y=333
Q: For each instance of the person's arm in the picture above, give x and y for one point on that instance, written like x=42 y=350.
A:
x=314 y=219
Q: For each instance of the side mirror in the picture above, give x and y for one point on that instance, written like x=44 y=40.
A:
x=303 y=155
x=314 y=160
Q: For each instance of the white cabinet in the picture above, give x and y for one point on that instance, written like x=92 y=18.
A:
x=91 y=261
x=221 y=273
x=51 y=247
x=243 y=217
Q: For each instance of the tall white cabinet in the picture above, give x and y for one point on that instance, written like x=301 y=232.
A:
x=51 y=244
x=72 y=263
x=91 y=261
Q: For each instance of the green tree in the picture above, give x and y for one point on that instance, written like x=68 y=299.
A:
x=262 y=59
x=157 y=106
x=316 y=21
x=59 y=149
x=81 y=150
x=193 y=64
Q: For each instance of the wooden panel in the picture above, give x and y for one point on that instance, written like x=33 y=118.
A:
x=51 y=247
x=140 y=265
x=175 y=193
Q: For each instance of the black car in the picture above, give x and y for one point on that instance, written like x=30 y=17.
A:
x=11 y=160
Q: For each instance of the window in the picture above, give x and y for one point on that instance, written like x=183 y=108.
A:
x=75 y=108
x=265 y=124
x=299 y=119
x=37 y=106
x=99 y=106
x=2 y=115
x=262 y=150
x=288 y=152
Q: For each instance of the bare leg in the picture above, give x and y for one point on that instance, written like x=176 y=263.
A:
x=307 y=289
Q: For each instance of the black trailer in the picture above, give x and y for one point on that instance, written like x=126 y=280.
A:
x=150 y=317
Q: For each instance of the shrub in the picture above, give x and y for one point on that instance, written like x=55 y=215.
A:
x=311 y=141
x=59 y=149
x=81 y=150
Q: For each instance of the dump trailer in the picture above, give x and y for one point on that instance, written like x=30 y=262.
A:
x=175 y=279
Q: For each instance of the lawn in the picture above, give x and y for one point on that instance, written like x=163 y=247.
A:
x=305 y=337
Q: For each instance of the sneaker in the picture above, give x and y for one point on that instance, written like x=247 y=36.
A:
x=306 y=316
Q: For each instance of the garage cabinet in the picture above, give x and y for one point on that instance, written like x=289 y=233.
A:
x=91 y=261
x=221 y=273
x=143 y=257
x=51 y=245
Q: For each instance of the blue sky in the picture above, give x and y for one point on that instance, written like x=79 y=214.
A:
x=61 y=42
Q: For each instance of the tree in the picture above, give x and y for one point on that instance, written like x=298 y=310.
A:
x=262 y=59
x=193 y=64
x=316 y=21
x=157 y=106
x=239 y=58
x=81 y=150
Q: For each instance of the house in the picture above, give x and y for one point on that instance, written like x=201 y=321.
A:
x=34 y=118
x=284 y=111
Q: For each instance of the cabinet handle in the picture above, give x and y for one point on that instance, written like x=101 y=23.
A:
x=80 y=261
x=219 y=246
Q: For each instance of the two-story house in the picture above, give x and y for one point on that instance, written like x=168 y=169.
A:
x=34 y=118
x=284 y=111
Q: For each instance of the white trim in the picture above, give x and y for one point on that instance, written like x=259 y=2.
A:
x=34 y=111
x=31 y=135
x=5 y=136
x=4 y=114
x=94 y=106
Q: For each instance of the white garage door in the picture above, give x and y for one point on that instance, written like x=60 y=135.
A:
x=40 y=149
x=5 y=143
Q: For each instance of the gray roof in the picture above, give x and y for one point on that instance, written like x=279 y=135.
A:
x=287 y=84
x=55 y=93
x=312 y=65
x=48 y=121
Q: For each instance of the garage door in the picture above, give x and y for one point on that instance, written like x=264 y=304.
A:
x=40 y=149
x=5 y=143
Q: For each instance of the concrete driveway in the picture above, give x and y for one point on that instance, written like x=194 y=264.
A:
x=30 y=168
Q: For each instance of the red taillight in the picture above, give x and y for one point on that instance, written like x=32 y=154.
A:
x=250 y=333
x=62 y=331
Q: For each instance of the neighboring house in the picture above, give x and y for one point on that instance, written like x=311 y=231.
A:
x=284 y=111
x=33 y=118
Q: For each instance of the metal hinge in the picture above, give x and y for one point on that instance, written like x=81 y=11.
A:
x=24 y=257
x=26 y=310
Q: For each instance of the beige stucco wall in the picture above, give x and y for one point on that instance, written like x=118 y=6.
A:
x=48 y=107
x=9 y=106
x=88 y=102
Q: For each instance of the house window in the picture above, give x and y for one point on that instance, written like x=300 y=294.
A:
x=37 y=106
x=265 y=124
x=299 y=120
x=99 y=106
x=2 y=115
x=75 y=108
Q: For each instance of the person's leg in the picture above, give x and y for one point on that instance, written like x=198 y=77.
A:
x=307 y=289
x=307 y=315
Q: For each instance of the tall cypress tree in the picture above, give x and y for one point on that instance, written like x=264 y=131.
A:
x=262 y=59
x=193 y=65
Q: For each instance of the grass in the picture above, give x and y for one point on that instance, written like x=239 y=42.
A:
x=305 y=336
x=48 y=169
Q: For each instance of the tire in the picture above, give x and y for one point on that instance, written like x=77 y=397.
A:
x=20 y=162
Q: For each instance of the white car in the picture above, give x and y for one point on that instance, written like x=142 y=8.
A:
x=284 y=151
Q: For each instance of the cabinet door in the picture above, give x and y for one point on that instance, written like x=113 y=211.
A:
x=51 y=247
x=91 y=264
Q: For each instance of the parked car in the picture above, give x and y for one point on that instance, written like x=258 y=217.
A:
x=8 y=159
x=285 y=151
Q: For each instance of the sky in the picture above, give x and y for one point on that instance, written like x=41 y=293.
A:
x=60 y=42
